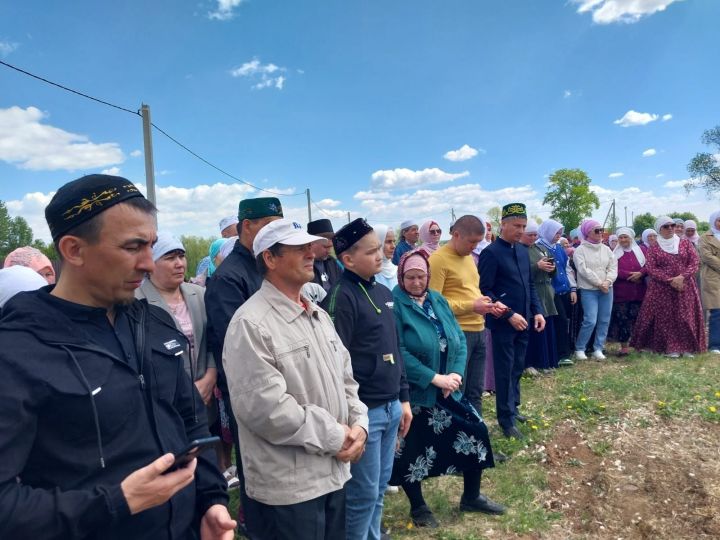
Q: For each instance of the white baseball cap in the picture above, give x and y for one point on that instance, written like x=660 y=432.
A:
x=282 y=231
x=227 y=221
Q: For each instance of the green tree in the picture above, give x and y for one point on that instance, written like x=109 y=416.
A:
x=683 y=215
x=196 y=248
x=570 y=197
x=704 y=168
x=495 y=215
x=643 y=221
x=14 y=232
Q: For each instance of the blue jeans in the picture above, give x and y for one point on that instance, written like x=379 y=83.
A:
x=365 y=491
x=597 y=308
x=714 y=329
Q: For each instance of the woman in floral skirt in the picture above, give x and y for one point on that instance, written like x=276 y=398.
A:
x=447 y=435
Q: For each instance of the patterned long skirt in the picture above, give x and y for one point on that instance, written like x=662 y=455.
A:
x=622 y=321
x=446 y=439
x=541 y=352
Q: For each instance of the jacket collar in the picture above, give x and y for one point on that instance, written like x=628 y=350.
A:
x=189 y=294
x=354 y=278
x=287 y=309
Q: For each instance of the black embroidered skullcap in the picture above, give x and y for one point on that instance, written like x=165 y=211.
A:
x=81 y=200
x=346 y=237
x=514 y=210
x=320 y=226
x=259 y=208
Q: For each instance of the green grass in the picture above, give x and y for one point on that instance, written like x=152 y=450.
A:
x=593 y=395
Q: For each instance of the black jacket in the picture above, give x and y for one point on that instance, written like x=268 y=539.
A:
x=363 y=315
x=327 y=273
x=75 y=420
x=505 y=276
x=235 y=280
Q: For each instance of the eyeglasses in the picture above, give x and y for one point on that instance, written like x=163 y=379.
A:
x=598 y=231
x=435 y=231
x=668 y=226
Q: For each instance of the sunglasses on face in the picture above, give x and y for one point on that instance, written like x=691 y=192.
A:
x=435 y=231
x=598 y=231
x=668 y=226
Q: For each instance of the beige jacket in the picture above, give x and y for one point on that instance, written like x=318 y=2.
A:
x=291 y=388
x=594 y=264
x=709 y=249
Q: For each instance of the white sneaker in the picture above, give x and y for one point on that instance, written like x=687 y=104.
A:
x=673 y=355
x=580 y=355
x=715 y=351
x=231 y=478
x=598 y=355
x=392 y=489
x=688 y=355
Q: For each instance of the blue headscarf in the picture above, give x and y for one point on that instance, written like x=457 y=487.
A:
x=214 y=250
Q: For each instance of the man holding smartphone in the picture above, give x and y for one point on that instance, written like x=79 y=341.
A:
x=94 y=398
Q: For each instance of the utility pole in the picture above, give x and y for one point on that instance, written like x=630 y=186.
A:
x=614 y=220
x=626 y=216
x=452 y=215
x=348 y=217
x=307 y=192
x=149 y=163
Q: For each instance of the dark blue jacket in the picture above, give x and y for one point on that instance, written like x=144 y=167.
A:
x=505 y=277
x=420 y=346
x=75 y=420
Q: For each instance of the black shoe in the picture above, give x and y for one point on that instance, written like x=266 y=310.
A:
x=499 y=457
x=513 y=432
x=481 y=504
x=422 y=516
x=521 y=418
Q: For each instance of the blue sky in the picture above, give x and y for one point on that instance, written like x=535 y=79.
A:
x=361 y=102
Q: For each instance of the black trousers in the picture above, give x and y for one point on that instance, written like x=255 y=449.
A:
x=509 y=347
x=474 y=380
x=562 y=326
x=322 y=518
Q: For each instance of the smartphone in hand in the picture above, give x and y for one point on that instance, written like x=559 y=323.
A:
x=193 y=450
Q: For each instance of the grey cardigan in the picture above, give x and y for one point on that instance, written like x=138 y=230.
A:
x=194 y=297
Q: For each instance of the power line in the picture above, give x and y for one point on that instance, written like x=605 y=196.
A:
x=321 y=210
x=163 y=132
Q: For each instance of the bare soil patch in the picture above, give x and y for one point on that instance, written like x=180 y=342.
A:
x=658 y=481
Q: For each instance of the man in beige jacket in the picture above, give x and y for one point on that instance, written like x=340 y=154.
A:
x=293 y=395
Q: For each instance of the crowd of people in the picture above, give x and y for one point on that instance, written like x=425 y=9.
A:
x=336 y=364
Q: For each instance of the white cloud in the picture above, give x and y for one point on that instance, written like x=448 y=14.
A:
x=406 y=178
x=225 y=10
x=666 y=117
x=675 y=183
x=615 y=175
x=634 y=118
x=567 y=94
x=136 y=153
x=649 y=152
x=463 y=153
x=371 y=195
x=266 y=75
x=6 y=47
x=621 y=11
x=328 y=203
x=659 y=175
x=30 y=144
x=115 y=171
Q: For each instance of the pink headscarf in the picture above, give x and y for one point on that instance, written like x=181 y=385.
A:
x=587 y=227
x=32 y=258
x=429 y=244
x=414 y=260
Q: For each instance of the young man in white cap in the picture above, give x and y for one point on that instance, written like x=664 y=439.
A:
x=409 y=234
x=296 y=403
x=228 y=226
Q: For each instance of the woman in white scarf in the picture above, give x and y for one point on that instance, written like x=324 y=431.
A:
x=709 y=249
x=671 y=265
x=388 y=271
x=629 y=288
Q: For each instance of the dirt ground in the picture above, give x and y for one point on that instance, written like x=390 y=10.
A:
x=658 y=481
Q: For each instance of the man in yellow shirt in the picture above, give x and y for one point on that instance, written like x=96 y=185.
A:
x=454 y=275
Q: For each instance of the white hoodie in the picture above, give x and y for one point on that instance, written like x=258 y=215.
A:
x=595 y=263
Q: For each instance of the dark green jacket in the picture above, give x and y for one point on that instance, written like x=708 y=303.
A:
x=420 y=348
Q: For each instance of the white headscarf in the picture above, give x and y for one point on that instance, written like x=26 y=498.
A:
x=547 y=231
x=713 y=218
x=646 y=233
x=668 y=245
x=619 y=251
x=482 y=244
x=690 y=224
x=15 y=279
x=388 y=270
x=166 y=243
x=227 y=247
x=531 y=227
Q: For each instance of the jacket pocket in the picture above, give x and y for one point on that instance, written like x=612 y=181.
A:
x=298 y=369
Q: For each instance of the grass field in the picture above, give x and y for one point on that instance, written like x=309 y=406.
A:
x=625 y=448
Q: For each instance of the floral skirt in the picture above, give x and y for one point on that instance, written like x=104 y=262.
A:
x=622 y=321
x=446 y=439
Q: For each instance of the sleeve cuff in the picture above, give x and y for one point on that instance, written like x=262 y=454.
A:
x=404 y=395
x=117 y=504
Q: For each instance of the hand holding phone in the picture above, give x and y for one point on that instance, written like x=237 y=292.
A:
x=193 y=450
